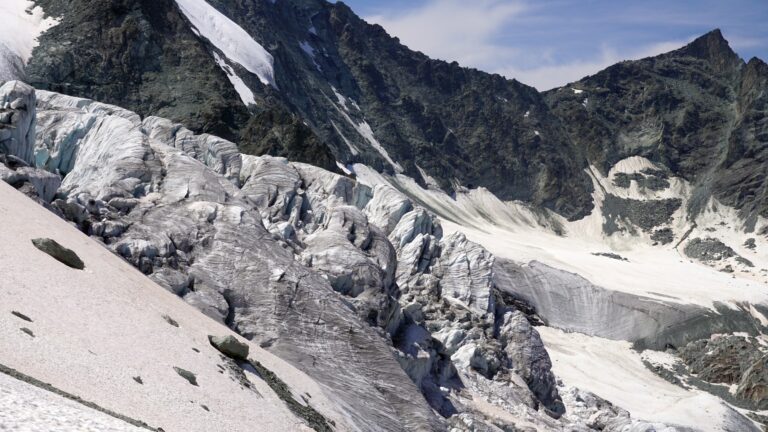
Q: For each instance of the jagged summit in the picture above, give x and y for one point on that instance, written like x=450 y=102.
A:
x=714 y=48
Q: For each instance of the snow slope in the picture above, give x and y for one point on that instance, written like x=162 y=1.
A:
x=22 y=22
x=234 y=42
x=26 y=408
x=613 y=371
x=96 y=329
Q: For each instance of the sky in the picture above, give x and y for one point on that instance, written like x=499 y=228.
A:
x=549 y=43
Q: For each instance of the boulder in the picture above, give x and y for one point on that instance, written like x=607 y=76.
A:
x=229 y=346
x=59 y=252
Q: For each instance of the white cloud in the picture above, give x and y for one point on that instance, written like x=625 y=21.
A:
x=553 y=75
x=454 y=29
x=469 y=32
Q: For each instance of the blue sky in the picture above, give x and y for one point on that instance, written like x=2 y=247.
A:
x=548 y=43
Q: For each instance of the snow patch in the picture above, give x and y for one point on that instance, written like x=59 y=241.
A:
x=343 y=168
x=22 y=23
x=364 y=129
x=310 y=51
x=242 y=89
x=234 y=42
x=340 y=98
x=577 y=91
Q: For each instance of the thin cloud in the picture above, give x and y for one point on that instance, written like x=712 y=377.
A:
x=549 y=76
x=454 y=29
x=549 y=43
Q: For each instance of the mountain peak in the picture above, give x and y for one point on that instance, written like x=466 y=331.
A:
x=714 y=48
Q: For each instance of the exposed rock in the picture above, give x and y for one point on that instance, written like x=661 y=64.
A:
x=610 y=255
x=750 y=243
x=646 y=215
x=170 y=320
x=731 y=360
x=229 y=346
x=664 y=236
x=21 y=316
x=59 y=252
x=709 y=250
x=187 y=375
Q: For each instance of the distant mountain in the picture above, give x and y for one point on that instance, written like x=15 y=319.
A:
x=699 y=111
x=346 y=91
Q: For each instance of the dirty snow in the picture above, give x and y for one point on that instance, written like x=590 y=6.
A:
x=613 y=371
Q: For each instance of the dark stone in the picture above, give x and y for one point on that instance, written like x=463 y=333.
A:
x=21 y=316
x=138 y=379
x=187 y=375
x=610 y=255
x=663 y=236
x=230 y=346
x=59 y=252
x=27 y=331
x=170 y=321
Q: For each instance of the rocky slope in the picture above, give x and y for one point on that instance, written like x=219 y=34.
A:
x=366 y=98
x=699 y=112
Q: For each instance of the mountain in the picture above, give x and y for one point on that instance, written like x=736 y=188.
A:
x=698 y=111
x=428 y=247
x=366 y=98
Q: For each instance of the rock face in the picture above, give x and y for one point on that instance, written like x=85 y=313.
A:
x=130 y=53
x=696 y=111
x=345 y=90
x=731 y=360
x=345 y=79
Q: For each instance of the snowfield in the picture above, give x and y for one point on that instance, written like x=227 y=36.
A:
x=97 y=329
x=615 y=372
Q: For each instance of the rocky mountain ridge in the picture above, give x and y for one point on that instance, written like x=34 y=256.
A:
x=366 y=98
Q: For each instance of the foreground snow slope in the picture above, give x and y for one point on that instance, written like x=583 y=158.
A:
x=26 y=408
x=96 y=329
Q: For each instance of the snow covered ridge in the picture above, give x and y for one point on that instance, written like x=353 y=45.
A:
x=229 y=38
x=22 y=22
